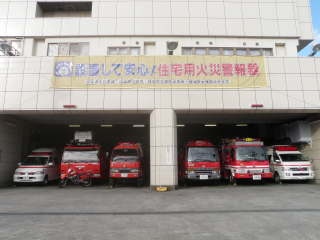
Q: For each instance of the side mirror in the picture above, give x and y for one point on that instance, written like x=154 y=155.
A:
x=277 y=160
x=50 y=164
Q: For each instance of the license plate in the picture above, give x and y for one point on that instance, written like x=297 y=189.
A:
x=256 y=177
x=204 y=177
x=124 y=175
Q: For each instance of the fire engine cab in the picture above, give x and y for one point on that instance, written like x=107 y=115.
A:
x=288 y=163
x=199 y=160
x=244 y=159
x=126 y=163
x=82 y=160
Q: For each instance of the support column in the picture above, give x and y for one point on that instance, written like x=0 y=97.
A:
x=313 y=150
x=11 y=145
x=163 y=148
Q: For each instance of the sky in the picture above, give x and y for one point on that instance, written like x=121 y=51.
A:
x=315 y=6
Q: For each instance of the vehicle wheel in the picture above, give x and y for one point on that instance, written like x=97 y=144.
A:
x=45 y=181
x=277 y=179
x=139 y=182
x=232 y=181
x=63 y=183
x=112 y=183
x=87 y=183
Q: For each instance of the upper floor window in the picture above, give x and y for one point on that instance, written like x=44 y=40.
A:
x=64 y=9
x=11 y=47
x=227 y=51
x=68 y=49
x=135 y=51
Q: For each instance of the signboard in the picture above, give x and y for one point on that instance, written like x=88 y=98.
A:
x=159 y=72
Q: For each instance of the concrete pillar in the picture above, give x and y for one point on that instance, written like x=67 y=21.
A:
x=28 y=45
x=313 y=150
x=11 y=144
x=163 y=148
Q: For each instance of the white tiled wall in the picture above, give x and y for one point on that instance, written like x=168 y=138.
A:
x=286 y=18
x=293 y=83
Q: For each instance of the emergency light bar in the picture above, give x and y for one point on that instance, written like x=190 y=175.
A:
x=285 y=148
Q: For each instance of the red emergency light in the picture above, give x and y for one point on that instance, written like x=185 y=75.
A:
x=285 y=148
x=69 y=106
x=256 y=105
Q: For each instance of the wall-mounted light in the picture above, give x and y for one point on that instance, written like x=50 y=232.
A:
x=105 y=125
x=138 y=125
x=242 y=125
x=210 y=125
x=74 y=125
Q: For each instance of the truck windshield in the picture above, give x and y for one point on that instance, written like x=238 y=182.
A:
x=34 y=161
x=293 y=157
x=202 y=154
x=80 y=156
x=250 y=153
x=119 y=155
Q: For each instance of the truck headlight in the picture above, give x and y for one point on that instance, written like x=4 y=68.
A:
x=135 y=170
x=191 y=172
x=39 y=172
x=113 y=170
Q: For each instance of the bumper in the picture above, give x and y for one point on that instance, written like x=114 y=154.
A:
x=28 y=179
x=125 y=175
x=291 y=176
x=253 y=176
x=200 y=177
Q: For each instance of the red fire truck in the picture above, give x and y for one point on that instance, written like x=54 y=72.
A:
x=126 y=163
x=82 y=161
x=244 y=159
x=199 y=160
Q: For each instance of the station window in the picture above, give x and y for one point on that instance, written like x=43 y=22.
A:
x=11 y=47
x=68 y=49
x=134 y=51
x=255 y=52
x=200 y=51
x=63 y=9
x=227 y=51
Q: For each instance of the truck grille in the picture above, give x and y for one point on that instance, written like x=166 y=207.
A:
x=255 y=171
x=299 y=169
x=204 y=171
x=300 y=174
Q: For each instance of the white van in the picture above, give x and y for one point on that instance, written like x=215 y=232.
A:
x=41 y=166
x=287 y=163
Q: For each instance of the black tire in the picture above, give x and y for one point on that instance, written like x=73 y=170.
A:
x=45 y=181
x=112 y=183
x=276 y=178
x=63 y=183
x=139 y=182
x=87 y=183
x=232 y=180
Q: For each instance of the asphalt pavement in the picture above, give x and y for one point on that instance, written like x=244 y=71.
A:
x=245 y=212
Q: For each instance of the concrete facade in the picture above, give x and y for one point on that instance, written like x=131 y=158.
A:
x=278 y=28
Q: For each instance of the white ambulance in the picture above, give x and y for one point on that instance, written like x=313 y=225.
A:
x=288 y=163
x=41 y=166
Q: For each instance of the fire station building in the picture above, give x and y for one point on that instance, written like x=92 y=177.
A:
x=160 y=72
